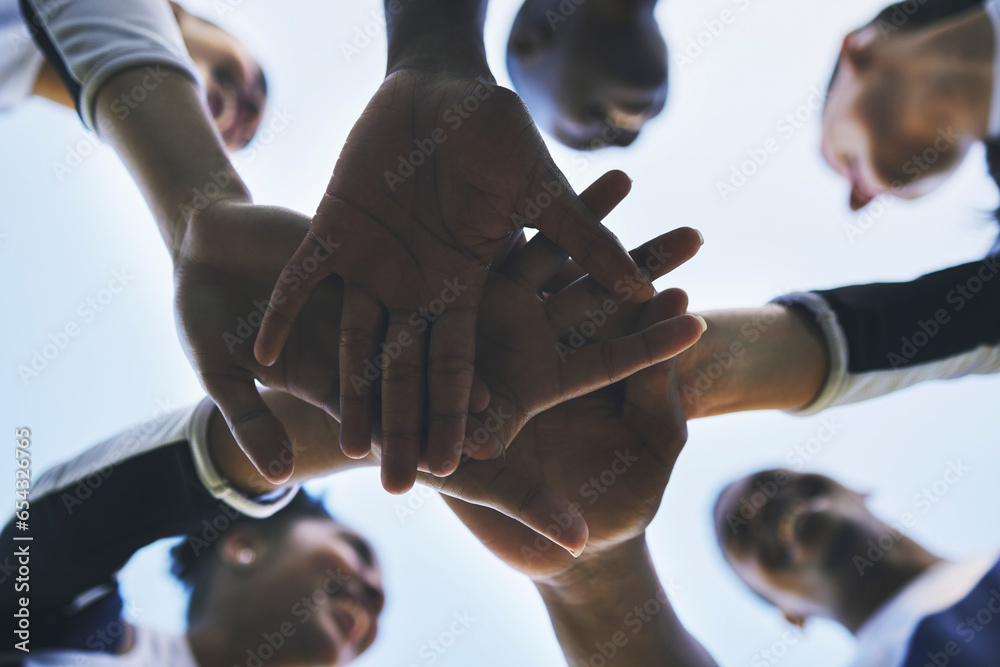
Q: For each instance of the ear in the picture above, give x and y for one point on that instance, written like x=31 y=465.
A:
x=858 y=48
x=795 y=619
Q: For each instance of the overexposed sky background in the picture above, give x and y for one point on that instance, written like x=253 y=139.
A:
x=64 y=234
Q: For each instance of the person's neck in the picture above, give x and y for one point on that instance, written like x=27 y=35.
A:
x=882 y=581
x=210 y=646
x=957 y=58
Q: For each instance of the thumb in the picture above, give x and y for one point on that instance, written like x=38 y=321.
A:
x=301 y=276
x=260 y=434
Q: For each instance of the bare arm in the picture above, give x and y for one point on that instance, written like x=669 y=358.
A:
x=772 y=357
x=171 y=148
x=442 y=35
x=614 y=606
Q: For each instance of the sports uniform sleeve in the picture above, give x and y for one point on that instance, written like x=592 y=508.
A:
x=883 y=337
x=89 y=41
x=89 y=515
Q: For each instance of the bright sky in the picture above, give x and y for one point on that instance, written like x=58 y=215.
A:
x=63 y=235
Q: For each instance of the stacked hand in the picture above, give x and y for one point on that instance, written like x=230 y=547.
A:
x=435 y=179
x=629 y=433
x=226 y=268
x=609 y=453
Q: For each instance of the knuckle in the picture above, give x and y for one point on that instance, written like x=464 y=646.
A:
x=356 y=337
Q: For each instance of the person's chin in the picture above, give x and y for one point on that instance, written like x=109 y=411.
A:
x=323 y=643
x=595 y=138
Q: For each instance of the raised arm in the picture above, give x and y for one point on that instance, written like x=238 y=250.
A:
x=772 y=357
x=127 y=70
x=607 y=601
x=442 y=168
x=615 y=607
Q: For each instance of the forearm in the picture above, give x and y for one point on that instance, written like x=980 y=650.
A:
x=170 y=147
x=440 y=35
x=614 y=606
x=773 y=357
x=315 y=440
x=127 y=70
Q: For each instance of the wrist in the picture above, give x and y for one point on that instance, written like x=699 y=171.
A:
x=704 y=389
x=196 y=225
x=596 y=574
x=171 y=147
x=445 y=36
x=769 y=358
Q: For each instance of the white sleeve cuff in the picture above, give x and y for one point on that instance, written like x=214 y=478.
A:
x=836 y=345
x=216 y=484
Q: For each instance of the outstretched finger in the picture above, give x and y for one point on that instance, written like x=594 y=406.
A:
x=307 y=268
x=260 y=434
x=601 y=364
x=403 y=383
x=450 y=371
x=603 y=195
x=360 y=329
x=657 y=258
x=668 y=251
x=530 y=502
x=534 y=265
x=574 y=228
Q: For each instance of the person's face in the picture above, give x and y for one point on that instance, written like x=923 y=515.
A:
x=235 y=86
x=882 y=131
x=788 y=536
x=594 y=79
x=323 y=584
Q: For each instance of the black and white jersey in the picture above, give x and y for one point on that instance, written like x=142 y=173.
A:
x=89 y=41
x=89 y=515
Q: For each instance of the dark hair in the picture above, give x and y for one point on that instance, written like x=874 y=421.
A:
x=189 y=563
x=913 y=15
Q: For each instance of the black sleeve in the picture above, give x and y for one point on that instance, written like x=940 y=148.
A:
x=90 y=516
x=886 y=336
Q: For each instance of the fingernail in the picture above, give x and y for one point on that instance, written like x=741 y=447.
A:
x=499 y=454
x=701 y=236
x=578 y=552
x=704 y=324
